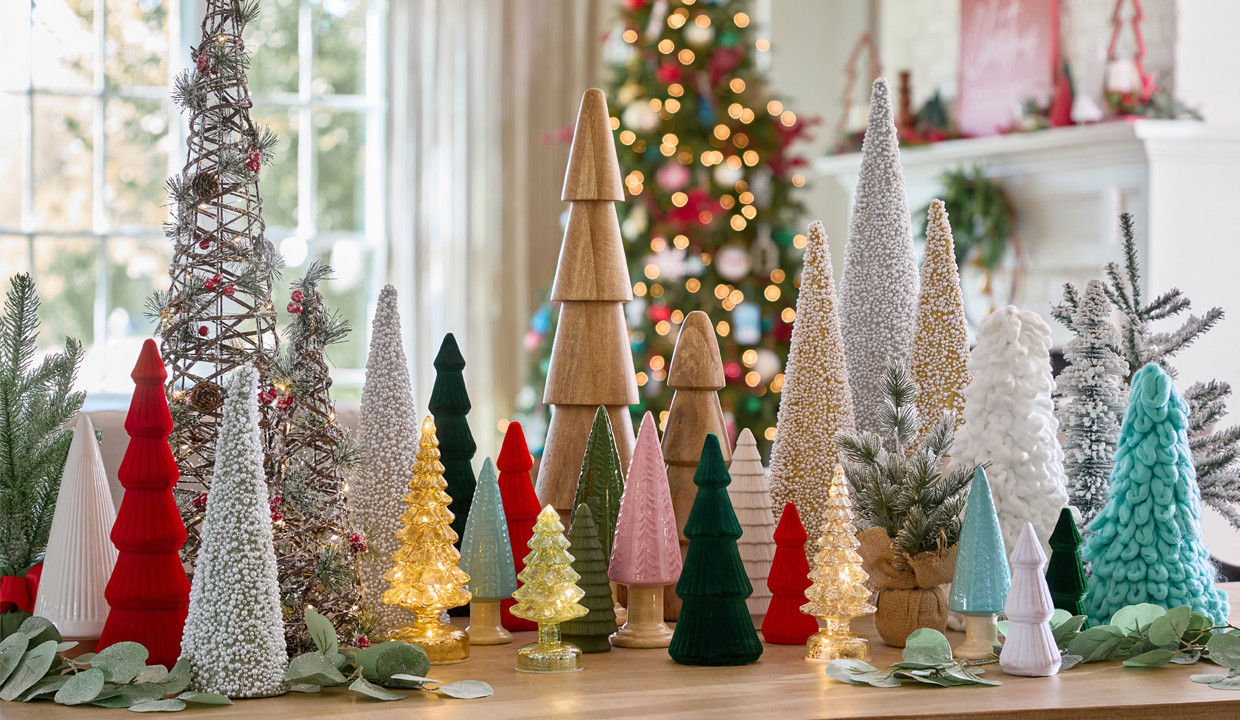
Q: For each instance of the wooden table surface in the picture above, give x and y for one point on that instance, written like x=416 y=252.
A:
x=646 y=683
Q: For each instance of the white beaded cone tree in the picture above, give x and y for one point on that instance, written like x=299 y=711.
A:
x=80 y=554
x=878 y=295
x=815 y=403
x=234 y=632
x=941 y=340
x=1010 y=420
x=388 y=439
x=751 y=499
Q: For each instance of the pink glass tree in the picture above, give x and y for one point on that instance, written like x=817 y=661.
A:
x=646 y=552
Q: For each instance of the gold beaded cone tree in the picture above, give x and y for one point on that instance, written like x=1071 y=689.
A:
x=217 y=313
x=696 y=374
x=591 y=363
x=426 y=579
x=941 y=340
x=815 y=404
x=548 y=596
x=838 y=593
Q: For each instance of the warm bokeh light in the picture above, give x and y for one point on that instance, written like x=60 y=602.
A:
x=681 y=241
x=693 y=285
x=652 y=271
x=788 y=315
x=723 y=328
x=639 y=289
x=741 y=20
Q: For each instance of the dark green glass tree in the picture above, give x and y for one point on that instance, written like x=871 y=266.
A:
x=714 y=627
x=591 y=633
x=601 y=482
x=1065 y=573
x=450 y=405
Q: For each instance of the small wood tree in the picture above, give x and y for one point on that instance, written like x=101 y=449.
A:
x=549 y=596
x=784 y=623
x=591 y=631
x=752 y=502
x=1065 y=574
x=449 y=404
x=696 y=374
x=981 y=580
x=521 y=510
x=486 y=556
x=591 y=363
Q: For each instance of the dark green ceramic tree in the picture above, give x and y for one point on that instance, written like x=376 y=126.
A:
x=1065 y=573
x=450 y=405
x=592 y=632
x=601 y=482
x=714 y=627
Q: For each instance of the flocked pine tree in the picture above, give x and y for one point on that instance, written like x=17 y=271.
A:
x=816 y=403
x=1010 y=420
x=784 y=623
x=1065 y=573
x=1146 y=545
x=878 y=295
x=234 y=633
x=449 y=405
x=752 y=502
x=941 y=340
x=521 y=509
x=601 y=482
x=1093 y=386
x=591 y=631
x=486 y=557
x=714 y=627
x=388 y=441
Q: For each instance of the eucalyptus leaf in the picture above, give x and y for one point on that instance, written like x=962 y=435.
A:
x=81 y=688
x=304 y=688
x=11 y=650
x=1207 y=678
x=313 y=668
x=321 y=632
x=847 y=670
x=49 y=685
x=61 y=647
x=1070 y=661
x=1151 y=658
x=1059 y=617
x=1064 y=631
x=205 y=698
x=466 y=689
x=927 y=646
x=152 y=674
x=1197 y=621
x=1168 y=629
x=124 y=696
x=121 y=662
x=336 y=659
x=401 y=659
x=365 y=687
x=33 y=666
x=415 y=678
x=1224 y=649
x=1003 y=626
x=1229 y=683
x=169 y=705
x=1187 y=657
x=178 y=678
x=39 y=630
x=1135 y=619
x=83 y=659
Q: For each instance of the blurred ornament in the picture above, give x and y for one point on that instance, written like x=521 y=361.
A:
x=629 y=92
x=638 y=117
x=768 y=364
x=1060 y=112
x=636 y=222
x=694 y=265
x=727 y=176
x=747 y=324
x=732 y=371
x=671 y=264
x=673 y=176
x=541 y=322
x=732 y=262
x=532 y=340
x=658 y=13
x=668 y=73
x=728 y=39
x=658 y=312
x=699 y=36
x=634 y=311
x=615 y=50
x=763 y=252
x=760 y=186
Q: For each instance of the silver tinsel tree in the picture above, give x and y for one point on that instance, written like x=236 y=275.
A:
x=1093 y=384
x=878 y=295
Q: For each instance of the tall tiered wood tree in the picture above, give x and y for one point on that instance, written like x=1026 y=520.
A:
x=217 y=313
x=148 y=592
x=521 y=509
x=591 y=364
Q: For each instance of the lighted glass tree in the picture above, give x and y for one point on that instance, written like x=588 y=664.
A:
x=549 y=597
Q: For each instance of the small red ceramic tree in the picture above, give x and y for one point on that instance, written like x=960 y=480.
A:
x=148 y=592
x=646 y=553
x=521 y=509
x=784 y=623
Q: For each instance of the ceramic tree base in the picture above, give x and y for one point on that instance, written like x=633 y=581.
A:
x=443 y=642
x=644 y=627
x=549 y=654
x=484 y=624
x=981 y=635
x=1030 y=651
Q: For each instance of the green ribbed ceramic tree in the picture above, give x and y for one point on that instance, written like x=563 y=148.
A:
x=590 y=633
x=1065 y=573
x=601 y=482
x=450 y=406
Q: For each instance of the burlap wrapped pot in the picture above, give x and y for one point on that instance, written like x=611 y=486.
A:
x=909 y=596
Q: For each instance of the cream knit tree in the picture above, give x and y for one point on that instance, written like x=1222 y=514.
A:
x=878 y=295
x=941 y=341
x=815 y=404
x=234 y=632
x=751 y=499
x=388 y=438
x=1010 y=420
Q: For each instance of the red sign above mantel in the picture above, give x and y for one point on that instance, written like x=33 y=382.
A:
x=1008 y=53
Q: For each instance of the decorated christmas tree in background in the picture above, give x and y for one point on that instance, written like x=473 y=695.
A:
x=148 y=592
x=449 y=405
x=310 y=454
x=752 y=502
x=234 y=632
x=878 y=295
x=521 y=509
x=707 y=156
x=591 y=631
x=388 y=443
x=217 y=314
x=1093 y=384
x=784 y=623
x=486 y=557
x=1065 y=573
x=816 y=403
x=549 y=596
x=1145 y=545
x=941 y=341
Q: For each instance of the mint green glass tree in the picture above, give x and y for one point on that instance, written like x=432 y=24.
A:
x=982 y=577
x=486 y=556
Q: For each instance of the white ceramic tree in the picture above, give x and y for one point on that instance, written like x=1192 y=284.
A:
x=80 y=554
x=752 y=502
x=1029 y=648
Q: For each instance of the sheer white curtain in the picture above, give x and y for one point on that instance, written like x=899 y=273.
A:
x=478 y=90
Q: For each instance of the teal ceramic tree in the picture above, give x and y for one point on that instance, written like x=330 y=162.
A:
x=449 y=405
x=980 y=584
x=1146 y=543
x=714 y=627
x=601 y=483
x=486 y=556
x=591 y=632
x=1065 y=574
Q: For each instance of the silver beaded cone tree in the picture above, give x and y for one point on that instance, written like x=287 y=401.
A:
x=217 y=314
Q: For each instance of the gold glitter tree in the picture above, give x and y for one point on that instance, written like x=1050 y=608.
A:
x=548 y=596
x=426 y=579
x=941 y=341
x=838 y=593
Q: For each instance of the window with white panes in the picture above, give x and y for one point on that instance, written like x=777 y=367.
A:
x=88 y=136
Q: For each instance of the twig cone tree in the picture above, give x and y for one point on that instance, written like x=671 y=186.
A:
x=80 y=556
x=591 y=363
x=696 y=374
x=591 y=631
x=1065 y=573
x=548 y=596
x=941 y=341
x=426 y=578
x=486 y=556
x=981 y=579
x=784 y=623
x=148 y=592
x=646 y=554
x=752 y=502
x=521 y=509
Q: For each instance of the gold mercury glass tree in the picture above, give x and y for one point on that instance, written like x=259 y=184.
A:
x=426 y=578
x=838 y=593
x=549 y=597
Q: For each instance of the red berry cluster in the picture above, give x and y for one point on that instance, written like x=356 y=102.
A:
x=267 y=396
x=284 y=403
x=204 y=63
x=357 y=541
x=295 y=307
x=273 y=504
x=213 y=283
x=255 y=160
x=204 y=242
x=200 y=502
x=203 y=330
x=363 y=641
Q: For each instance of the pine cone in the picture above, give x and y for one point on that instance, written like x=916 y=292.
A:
x=205 y=185
x=206 y=397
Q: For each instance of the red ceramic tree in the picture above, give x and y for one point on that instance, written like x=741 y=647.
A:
x=148 y=592
x=784 y=623
x=521 y=509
